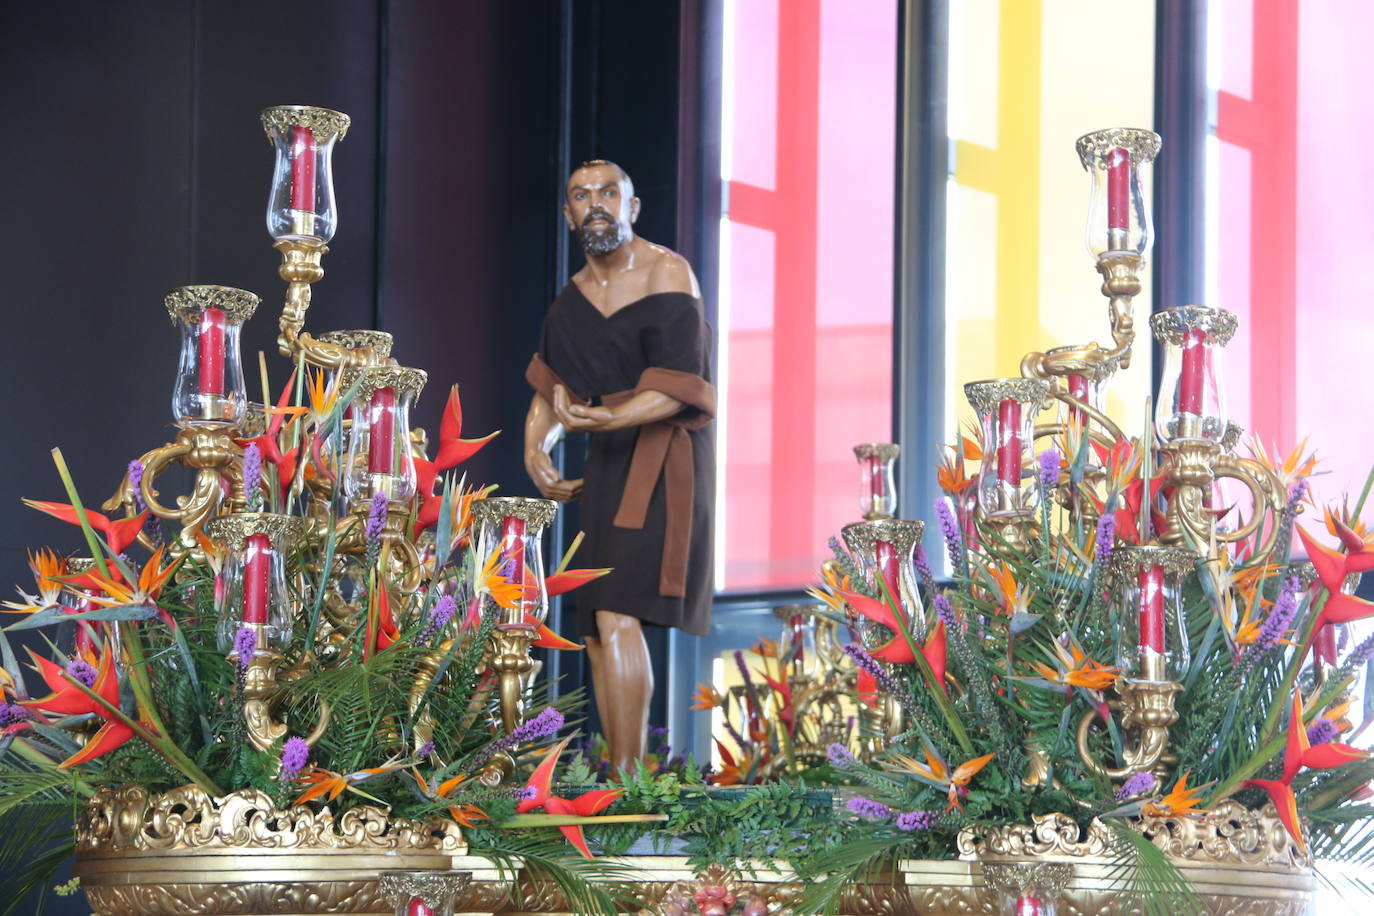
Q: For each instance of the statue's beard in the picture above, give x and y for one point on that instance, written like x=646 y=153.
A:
x=597 y=243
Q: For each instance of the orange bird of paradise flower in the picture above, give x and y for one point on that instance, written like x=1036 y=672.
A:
x=1077 y=670
x=48 y=570
x=539 y=794
x=936 y=773
x=465 y=815
x=322 y=781
x=706 y=697
x=950 y=472
x=1180 y=800
x=1297 y=754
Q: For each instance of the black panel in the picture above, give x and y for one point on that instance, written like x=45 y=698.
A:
x=252 y=54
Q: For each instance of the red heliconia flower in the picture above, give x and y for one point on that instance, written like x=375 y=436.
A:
x=1332 y=569
x=1297 y=754
x=454 y=450
x=119 y=534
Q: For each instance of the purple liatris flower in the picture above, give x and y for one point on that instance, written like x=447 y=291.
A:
x=1321 y=731
x=945 y=611
x=252 y=473
x=376 y=518
x=12 y=714
x=439 y=616
x=136 y=482
x=1049 y=468
x=923 y=569
x=1138 y=784
x=839 y=756
x=541 y=726
x=868 y=663
x=295 y=754
x=867 y=807
x=949 y=528
x=80 y=670
x=245 y=644
x=1361 y=653
x=1279 y=619
x=1295 y=494
x=1106 y=538
x=915 y=820
x=425 y=749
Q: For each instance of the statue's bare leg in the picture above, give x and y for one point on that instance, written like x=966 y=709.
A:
x=623 y=682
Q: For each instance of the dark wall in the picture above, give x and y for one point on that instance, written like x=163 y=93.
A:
x=134 y=163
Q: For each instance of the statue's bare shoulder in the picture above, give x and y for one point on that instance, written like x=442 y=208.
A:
x=669 y=272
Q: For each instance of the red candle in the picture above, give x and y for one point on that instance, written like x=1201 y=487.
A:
x=1151 y=581
x=210 y=343
x=875 y=476
x=417 y=907
x=302 y=169
x=1026 y=905
x=888 y=568
x=1009 y=442
x=381 y=441
x=798 y=650
x=1118 y=190
x=1194 y=373
x=1078 y=388
x=257 y=570
x=1324 y=645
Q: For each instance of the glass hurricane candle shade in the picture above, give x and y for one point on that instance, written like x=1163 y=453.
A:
x=379 y=456
x=1007 y=409
x=209 y=385
x=884 y=549
x=797 y=647
x=301 y=207
x=511 y=528
x=1118 y=162
x=1192 y=398
x=877 y=480
x=1152 y=636
x=252 y=587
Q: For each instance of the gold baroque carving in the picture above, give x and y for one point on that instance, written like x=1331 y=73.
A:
x=883 y=451
x=325 y=124
x=1143 y=145
x=282 y=530
x=536 y=512
x=126 y=819
x=902 y=534
x=405 y=380
x=183 y=302
x=222 y=899
x=1046 y=835
x=1173 y=324
x=378 y=341
x=986 y=395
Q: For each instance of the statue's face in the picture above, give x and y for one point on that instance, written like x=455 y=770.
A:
x=601 y=208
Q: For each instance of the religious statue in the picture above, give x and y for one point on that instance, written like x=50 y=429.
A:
x=625 y=356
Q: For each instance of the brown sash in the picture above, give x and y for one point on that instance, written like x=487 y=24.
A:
x=661 y=448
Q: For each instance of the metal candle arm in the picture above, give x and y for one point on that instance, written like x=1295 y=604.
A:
x=1191 y=467
x=300 y=267
x=1147 y=711
x=259 y=685
x=216 y=458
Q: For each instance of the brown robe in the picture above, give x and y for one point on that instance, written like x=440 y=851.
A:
x=648 y=491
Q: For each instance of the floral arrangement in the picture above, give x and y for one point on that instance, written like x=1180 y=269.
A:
x=994 y=671
x=384 y=695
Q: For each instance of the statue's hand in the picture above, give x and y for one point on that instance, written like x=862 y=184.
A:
x=580 y=418
x=546 y=477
